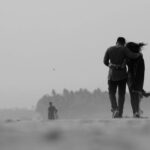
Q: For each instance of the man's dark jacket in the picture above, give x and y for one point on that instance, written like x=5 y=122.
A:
x=117 y=55
x=136 y=70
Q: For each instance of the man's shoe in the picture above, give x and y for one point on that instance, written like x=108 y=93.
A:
x=141 y=112
x=115 y=114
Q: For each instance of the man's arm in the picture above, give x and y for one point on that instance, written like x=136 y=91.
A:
x=106 y=58
x=130 y=54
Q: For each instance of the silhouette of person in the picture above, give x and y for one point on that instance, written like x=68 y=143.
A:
x=136 y=71
x=52 y=111
x=114 y=58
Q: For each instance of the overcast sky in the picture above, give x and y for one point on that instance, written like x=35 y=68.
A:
x=56 y=44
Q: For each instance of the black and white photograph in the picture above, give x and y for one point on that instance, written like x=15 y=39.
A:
x=74 y=75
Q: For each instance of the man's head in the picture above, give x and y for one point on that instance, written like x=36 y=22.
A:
x=121 y=41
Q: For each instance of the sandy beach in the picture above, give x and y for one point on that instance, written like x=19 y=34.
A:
x=111 y=134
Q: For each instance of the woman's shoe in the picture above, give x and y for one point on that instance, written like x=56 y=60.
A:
x=145 y=94
x=136 y=115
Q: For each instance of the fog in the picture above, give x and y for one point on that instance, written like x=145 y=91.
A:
x=47 y=45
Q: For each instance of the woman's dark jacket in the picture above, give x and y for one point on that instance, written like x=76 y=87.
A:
x=136 y=70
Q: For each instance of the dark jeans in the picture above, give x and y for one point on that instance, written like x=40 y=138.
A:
x=135 y=100
x=112 y=87
x=51 y=116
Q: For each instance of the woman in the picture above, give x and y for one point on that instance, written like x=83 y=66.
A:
x=136 y=70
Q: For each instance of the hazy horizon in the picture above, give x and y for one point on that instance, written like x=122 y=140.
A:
x=47 y=45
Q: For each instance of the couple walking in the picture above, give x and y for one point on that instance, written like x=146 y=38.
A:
x=126 y=66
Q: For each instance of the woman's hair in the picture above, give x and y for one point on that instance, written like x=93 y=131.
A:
x=135 y=47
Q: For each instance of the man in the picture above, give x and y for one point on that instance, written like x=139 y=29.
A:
x=114 y=58
x=52 y=112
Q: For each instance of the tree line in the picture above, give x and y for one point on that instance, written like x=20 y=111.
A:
x=74 y=104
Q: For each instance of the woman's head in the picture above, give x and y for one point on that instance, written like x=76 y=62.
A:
x=135 y=47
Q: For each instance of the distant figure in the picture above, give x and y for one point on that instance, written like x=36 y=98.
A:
x=114 y=58
x=52 y=112
x=136 y=70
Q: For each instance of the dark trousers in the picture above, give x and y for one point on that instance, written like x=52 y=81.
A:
x=112 y=87
x=135 y=100
x=51 y=116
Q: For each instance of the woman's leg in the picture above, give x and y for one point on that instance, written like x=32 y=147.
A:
x=136 y=102
x=132 y=100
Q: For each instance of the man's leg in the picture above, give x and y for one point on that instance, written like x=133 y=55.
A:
x=112 y=87
x=121 y=95
x=51 y=116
